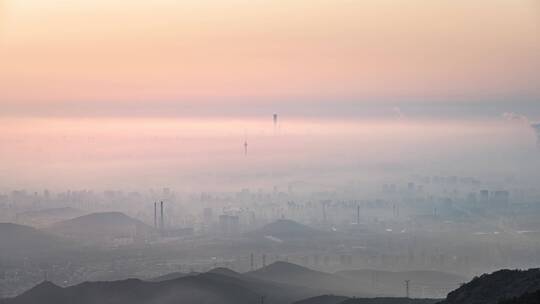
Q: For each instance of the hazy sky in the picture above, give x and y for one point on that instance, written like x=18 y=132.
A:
x=100 y=57
x=158 y=93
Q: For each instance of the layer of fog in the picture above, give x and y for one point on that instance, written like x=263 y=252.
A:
x=193 y=154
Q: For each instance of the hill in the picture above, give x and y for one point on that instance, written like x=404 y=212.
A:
x=495 y=287
x=287 y=229
x=208 y=288
x=103 y=226
x=177 y=275
x=343 y=300
x=389 y=301
x=18 y=241
x=528 y=298
x=325 y=299
x=274 y=292
x=47 y=217
x=171 y=276
x=296 y=275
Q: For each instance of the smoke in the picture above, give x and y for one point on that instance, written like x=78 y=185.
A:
x=514 y=117
x=536 y=128
x=511 y=116
x=398 y=113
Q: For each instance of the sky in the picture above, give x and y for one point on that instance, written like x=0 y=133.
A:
x=163 y=57
x=138 y=94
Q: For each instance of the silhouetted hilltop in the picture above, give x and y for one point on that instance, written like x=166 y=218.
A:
x=296 y=275
x=176 y=275
x=324 y=299
x=295 y=284
x=103 y=225
x=495 y=287
x=47 y=291
x=280 y=269
x=286 y=229
x=18 y=241
x=210 y=288
x=46 y=217
x=204 y=288
x=171 y=276
x=389 y=301
x=274 y=292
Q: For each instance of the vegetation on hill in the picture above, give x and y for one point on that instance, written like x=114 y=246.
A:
x=496 y=287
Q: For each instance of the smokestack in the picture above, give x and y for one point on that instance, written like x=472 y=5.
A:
x=161 y=224
x=155 y=215
x=357 y=214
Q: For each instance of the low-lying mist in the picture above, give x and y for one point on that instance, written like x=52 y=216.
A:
x=202 y=153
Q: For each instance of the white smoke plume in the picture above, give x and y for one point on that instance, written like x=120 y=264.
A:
x=511 y=116
x=398 y=113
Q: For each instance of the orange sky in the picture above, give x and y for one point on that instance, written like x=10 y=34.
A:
x=75 y=52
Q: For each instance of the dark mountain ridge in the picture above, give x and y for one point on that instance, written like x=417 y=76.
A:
x=217 y=286
x=495 y=287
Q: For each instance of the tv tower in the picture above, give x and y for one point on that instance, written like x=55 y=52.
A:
x=161 y=223
x=245 y=147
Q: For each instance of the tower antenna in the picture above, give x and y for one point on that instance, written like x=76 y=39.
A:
x=245 y=144
x=162 y=223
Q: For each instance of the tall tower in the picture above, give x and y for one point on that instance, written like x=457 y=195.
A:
x=161 y=223
x=155 y=215
x=245 y=147
x=275 y=119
